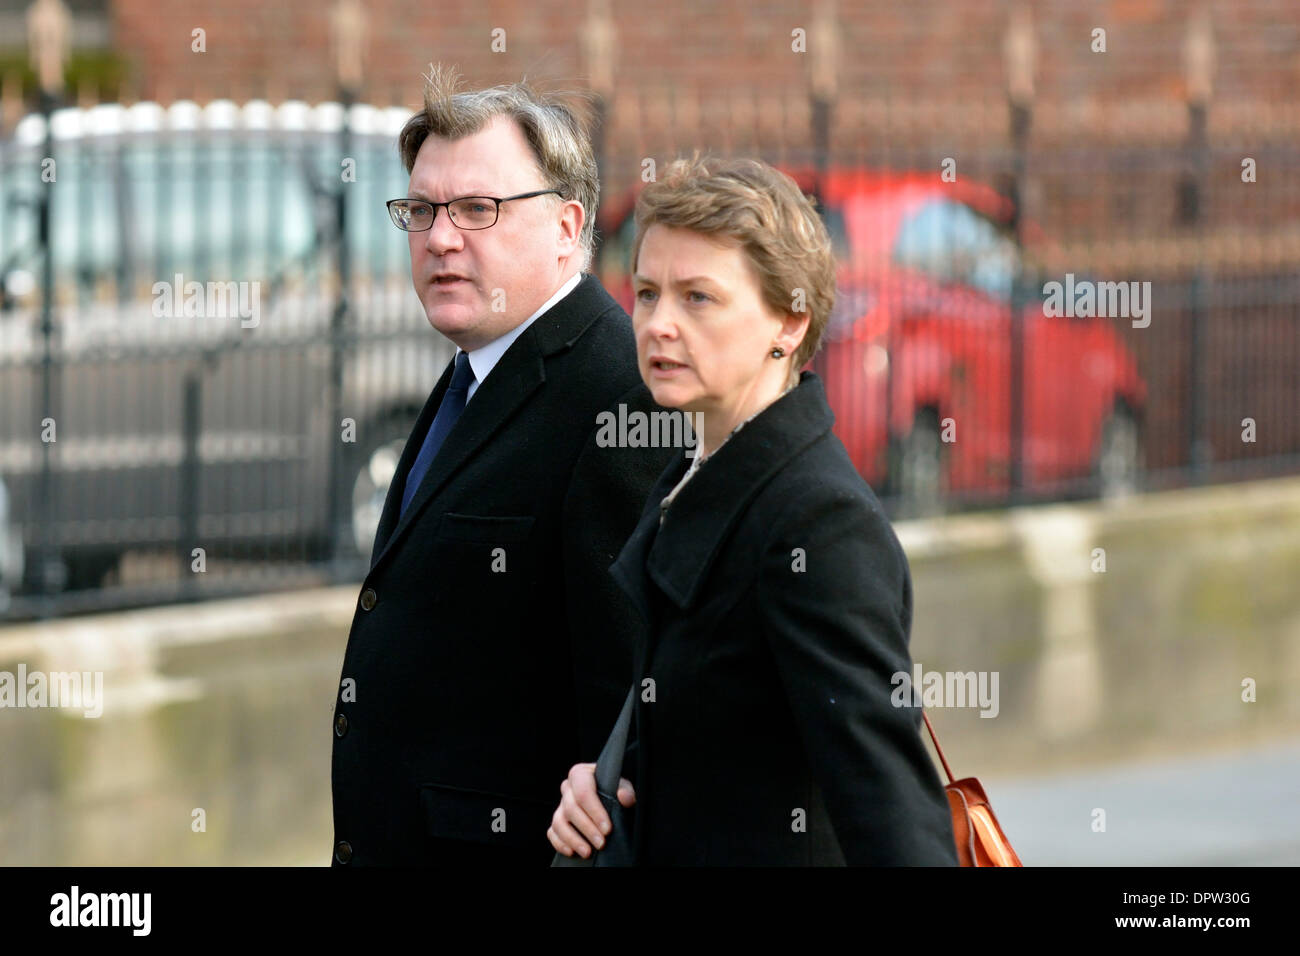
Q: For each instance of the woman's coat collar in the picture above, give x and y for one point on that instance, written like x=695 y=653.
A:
x=709 y=505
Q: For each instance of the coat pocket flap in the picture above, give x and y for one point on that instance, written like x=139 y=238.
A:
x=453 y=813
x=485 y=529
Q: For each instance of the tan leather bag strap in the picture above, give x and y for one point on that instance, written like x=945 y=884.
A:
x=942 y=759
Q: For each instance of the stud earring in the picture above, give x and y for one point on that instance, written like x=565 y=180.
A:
x=777 y=352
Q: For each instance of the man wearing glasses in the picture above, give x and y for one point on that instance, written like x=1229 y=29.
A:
x=490 y=650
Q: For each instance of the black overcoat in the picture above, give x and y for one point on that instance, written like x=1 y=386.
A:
x=490 y=649
x=779 y=604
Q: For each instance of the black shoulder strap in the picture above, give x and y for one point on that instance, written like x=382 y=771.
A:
x=609 y=765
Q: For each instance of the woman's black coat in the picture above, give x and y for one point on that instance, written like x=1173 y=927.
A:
x=779 y=603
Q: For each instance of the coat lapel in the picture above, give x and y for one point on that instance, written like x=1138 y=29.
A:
x=393 y=500
x=629 y=568
x=704 y=512
x=519 y=373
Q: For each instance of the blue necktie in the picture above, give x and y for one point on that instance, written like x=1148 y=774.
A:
x=453 y=403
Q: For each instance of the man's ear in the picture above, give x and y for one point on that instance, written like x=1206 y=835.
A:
x=572 y=218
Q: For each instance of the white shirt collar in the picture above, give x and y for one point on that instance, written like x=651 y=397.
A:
x=484 y=358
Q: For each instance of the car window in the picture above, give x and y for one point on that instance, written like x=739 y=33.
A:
x=833 y=217
x=950 y=242
x=21 y=185
x=229 y=207
x=85 y=219
x=377 y=246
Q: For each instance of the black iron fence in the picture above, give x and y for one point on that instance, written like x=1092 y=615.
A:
x=1126 y=326
x=202 y=404
x=210 y=353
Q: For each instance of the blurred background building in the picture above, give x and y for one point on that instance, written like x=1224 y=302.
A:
x=210 y=354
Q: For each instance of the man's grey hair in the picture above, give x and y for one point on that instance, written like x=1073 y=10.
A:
x=555 y=131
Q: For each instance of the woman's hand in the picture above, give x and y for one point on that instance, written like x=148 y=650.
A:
x=581 y=814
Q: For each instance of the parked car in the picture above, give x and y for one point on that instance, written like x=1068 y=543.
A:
x=219 y=195
x=918 y=360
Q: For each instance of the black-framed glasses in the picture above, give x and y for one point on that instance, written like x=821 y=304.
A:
x=468 y=212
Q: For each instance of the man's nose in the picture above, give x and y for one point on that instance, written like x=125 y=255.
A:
x=443 y=236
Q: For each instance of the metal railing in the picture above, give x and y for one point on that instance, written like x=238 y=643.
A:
x=210 y=352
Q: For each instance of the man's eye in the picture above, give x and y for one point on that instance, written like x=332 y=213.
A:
x=703 y=297
x=643 y=293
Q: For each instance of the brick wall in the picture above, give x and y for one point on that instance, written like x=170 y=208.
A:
x=946 y=51
x=917 y=81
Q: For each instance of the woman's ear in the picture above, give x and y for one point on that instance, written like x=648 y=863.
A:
x=794 y=326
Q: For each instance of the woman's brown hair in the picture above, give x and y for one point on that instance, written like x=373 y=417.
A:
x=762 y=209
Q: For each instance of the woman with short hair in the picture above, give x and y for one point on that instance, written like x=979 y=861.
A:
x=778 y=599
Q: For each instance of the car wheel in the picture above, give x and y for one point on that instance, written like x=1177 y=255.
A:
x=1118 y=470
x=12 y=556
x=917 y=468
x=88 y=571
x=372 y=477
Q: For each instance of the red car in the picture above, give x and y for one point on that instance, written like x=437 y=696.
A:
x=919 y=355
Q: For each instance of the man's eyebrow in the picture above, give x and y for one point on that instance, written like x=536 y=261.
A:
x=424 y=197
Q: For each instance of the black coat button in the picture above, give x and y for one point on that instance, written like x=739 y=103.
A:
x=341 y=724
x=343 y=852
x=368 y=599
